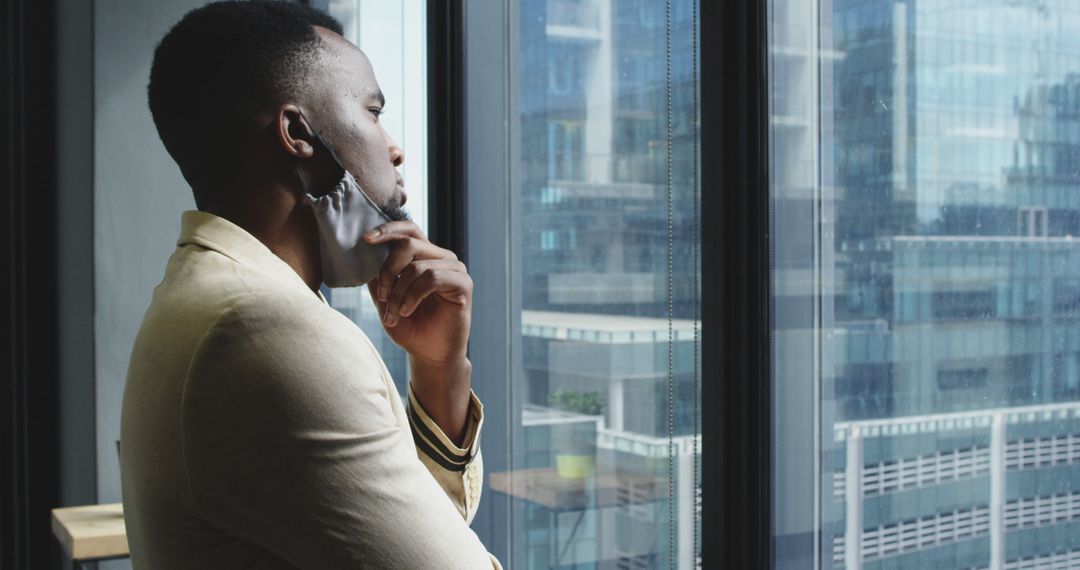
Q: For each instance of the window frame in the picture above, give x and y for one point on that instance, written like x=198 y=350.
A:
x=445 y=61
x=472 y=111
x=736 y=304
x=469 y=148
x=30 y=433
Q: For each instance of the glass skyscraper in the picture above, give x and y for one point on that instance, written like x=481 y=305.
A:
x=597 y=344
x=934 y=150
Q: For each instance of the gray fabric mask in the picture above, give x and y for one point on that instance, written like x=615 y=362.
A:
x=344 y=215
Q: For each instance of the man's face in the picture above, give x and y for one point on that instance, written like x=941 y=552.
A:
x=346 y=114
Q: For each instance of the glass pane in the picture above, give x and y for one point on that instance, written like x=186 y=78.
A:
x=926 y=284
x=394 y=37
x=604 y=471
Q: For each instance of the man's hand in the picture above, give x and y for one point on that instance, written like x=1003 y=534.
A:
x=424 y=295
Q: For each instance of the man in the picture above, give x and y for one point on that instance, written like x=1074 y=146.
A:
x=260 y=428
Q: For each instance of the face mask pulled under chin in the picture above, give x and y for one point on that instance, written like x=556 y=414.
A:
x=343 y=216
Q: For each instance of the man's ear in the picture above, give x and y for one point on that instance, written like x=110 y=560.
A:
x=294 y=133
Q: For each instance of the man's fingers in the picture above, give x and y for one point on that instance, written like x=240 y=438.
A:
x=397 y=291
x=419 y=289
x=451 y=285
x=402 y=253
x=391 y=231
x=426 y=276
x=373 y=289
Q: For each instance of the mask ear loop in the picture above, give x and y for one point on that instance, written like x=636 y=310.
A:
x=296 y=165
x=318 y=136
x=337 y=161
x=300 y=176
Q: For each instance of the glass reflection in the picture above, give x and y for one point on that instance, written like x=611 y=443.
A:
x=598 y=483
x=925 y=198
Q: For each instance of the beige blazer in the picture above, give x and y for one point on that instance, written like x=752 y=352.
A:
x=261 y=429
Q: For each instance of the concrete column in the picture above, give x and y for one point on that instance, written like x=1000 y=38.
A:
x=687 y=506
x=853 y=478
x=615 y=404
x=997 y=492
x=599 y=94
x=899 y=102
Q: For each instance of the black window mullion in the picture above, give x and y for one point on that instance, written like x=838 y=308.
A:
x=736 y=471
x=446 y=189
x=29 y=403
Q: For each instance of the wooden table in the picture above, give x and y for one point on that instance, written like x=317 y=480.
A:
x=609 y=487
x=91 y=533
x=606 y=488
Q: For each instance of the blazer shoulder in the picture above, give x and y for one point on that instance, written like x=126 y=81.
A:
x=290 y=360
x=283 y=325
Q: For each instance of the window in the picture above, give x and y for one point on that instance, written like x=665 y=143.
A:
x=601 y=463
x=394 y=39
x=963 y=304
x=923 y=192
x=962 y=378
x=564 y=152
x=565 y=72
x=1031 y=222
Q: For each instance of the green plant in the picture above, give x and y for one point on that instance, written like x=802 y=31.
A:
x=589 y=403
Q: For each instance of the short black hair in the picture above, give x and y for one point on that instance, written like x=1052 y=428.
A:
x=220 y=66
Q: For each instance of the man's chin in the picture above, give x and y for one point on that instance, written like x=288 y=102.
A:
x=396 y=213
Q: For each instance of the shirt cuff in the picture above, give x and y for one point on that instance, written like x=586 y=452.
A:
x=431 y=439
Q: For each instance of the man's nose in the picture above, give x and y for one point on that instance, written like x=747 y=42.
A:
x=397 y=156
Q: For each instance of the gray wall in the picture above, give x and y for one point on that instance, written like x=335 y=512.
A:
x=75 y=252
x=138 y=198
x=119 y=212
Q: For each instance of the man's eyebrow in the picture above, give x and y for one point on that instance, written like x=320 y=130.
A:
x=382 y=100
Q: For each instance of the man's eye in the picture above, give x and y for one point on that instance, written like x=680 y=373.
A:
x=376 y=111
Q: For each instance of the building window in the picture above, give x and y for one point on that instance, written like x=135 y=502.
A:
x=565 y=71
x=565 y=150
x=962 y=378
x=1031 y=222
x=963 y=304
x=606 y=374
x=925 y=308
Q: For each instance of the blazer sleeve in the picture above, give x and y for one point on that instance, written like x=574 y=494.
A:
x=458 y=470
x=290 y=442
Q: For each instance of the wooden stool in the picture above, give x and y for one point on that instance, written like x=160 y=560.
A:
x=91 y=533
